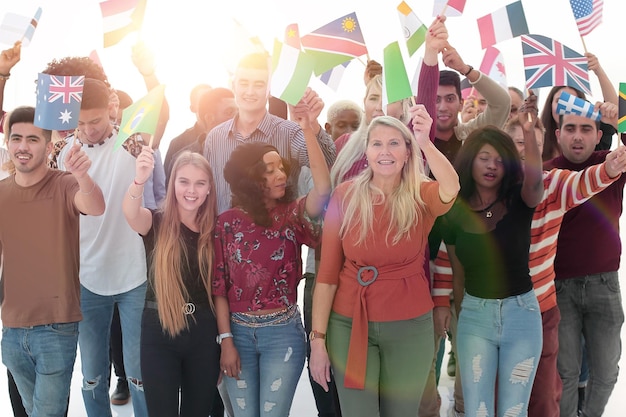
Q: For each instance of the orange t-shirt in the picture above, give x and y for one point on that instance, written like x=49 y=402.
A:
x=401 y=290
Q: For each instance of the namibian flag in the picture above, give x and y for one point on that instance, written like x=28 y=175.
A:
x=621 y=123
x=335 y=43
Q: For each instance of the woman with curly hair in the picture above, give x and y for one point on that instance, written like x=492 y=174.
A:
x=179 y=353
x=258 y=268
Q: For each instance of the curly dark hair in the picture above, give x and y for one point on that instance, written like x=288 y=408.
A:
x=244 y=173
x=77 y=65
x=502 y=142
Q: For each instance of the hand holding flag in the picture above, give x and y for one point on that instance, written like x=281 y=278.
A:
x=76 y=161
x=20 y=28
x=621 y=121
x=9 y=57
x=141 y=116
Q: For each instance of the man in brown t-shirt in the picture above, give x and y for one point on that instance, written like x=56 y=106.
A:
x=39 y=236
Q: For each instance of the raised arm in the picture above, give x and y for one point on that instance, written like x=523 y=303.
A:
x=138 y=217
x=532 y=185
x=8 y=58
x=608 y=90
x=441 y=168
x=305 y=114
x=143 y=59
x=89 y=198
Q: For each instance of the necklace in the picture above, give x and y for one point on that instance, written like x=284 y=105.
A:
x=487 y=210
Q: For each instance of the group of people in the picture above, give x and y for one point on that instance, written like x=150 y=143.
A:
x=406 y=209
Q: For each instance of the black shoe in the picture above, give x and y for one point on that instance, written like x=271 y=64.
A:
x=121 y=395
x=581 y=400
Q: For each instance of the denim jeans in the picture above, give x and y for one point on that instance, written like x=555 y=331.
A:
x=499 y=345
x=591 y=305
x=272 y=352
x=94 y=343
x=41 y=360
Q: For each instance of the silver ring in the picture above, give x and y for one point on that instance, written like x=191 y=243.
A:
x=189 y=308
x=225 y=371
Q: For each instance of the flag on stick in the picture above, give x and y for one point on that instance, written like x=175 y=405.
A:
x=58 y=101
x=493 y=66
x=413 y=28
x=588 y=14
x=292 y=70
x=142 y=116
x=621 y=122
x=15 y=28
x=335 y=43
x=396 y=85
x=548 y=63
x=505 y=23
x=121 y=17
x=569 y=104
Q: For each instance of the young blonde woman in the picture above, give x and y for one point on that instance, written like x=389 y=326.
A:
x=179 y=353
x=372 y=308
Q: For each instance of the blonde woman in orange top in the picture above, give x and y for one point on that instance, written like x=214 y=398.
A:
x=372 y=316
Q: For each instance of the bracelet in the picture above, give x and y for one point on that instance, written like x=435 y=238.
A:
x=147 y=75
x=468 y=71
x=139 y=184
x=132 y=197
x=5 y=76
x=90 y=191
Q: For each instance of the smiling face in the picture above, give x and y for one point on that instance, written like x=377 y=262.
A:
x=191 y=186
x=250 y=87
x=275 y=178
x=28 y=148
x=448 y=107
x=386 y=152
x=487 y=168
x=577 y=137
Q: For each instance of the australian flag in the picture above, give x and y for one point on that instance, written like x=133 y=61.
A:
x=58 y=101
x=548 y=63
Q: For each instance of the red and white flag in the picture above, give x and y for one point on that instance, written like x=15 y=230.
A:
x=493 y=66
x=121 y=17
x=588 y=14
x=452 y=7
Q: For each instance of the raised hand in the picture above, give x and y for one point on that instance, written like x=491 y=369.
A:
x=144 y=165
x=76 y=161
x=421 y=124
x=10 y=57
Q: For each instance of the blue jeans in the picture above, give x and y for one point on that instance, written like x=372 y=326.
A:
x=41 y=360
x=272 y=353
x=94 y=341
x=591 y=305
x=499 y=344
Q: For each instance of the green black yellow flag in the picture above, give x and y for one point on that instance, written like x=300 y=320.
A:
x=141 y=116
x=621 y=123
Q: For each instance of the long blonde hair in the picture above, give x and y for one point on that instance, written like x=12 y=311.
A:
x=405 y=204
x=170 y=251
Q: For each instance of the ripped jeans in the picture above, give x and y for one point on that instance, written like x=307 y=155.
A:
x=272 y=351
x=499 y=344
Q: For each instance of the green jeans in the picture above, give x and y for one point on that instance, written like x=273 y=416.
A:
x=399 y=356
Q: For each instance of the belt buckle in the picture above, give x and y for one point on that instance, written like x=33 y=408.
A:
x=189 y=308
x=367 y=268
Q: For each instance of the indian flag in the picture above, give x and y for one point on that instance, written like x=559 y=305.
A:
x=413 y=28
x=396 y=85
x=292 y=70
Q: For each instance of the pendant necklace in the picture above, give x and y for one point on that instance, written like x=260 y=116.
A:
x=487 y=210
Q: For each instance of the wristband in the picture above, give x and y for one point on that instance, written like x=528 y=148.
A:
x=222 y=336
x=139 y=184
x=468 y=71
x=5 y=76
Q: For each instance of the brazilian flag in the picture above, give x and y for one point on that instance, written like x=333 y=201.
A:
x=142 y=116
x=621 y=123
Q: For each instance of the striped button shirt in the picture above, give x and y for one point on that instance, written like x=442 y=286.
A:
x=285 y=135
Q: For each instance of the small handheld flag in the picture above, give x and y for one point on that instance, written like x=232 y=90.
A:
x=141 y=116
x=621 y=122
x=15 y=28
x=505 y=23
x=292 y=70
x=121 y=17
x=396 y=84
x=413 y=28
x=58 y=101
x=569 y=104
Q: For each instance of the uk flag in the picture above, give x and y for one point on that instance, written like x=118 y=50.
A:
x=58 y=101
x=549 y=63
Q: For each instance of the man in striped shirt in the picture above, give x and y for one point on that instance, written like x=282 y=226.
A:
x=255 y=124
x=563 y=190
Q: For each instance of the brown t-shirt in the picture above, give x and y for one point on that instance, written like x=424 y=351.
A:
x=39 y=237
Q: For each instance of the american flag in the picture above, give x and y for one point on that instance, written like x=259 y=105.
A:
x=67 y=88
x=548 y=63
x=588 y=14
